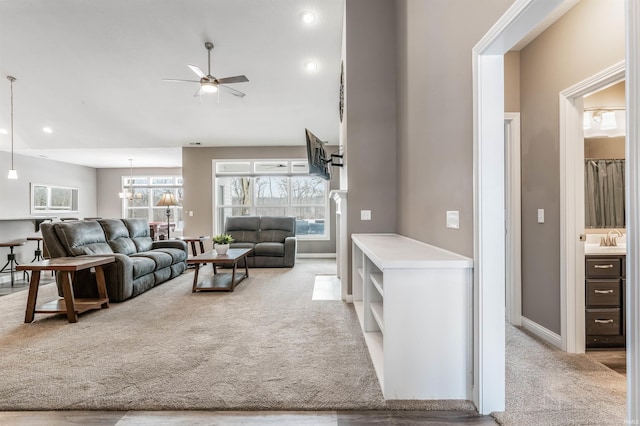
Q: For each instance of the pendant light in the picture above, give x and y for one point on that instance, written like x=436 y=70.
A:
x=13 y=174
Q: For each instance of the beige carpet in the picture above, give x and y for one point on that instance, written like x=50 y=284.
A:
x=546 y=386
x=265 y=346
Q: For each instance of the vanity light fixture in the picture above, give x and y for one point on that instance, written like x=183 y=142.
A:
x=603 y=116
x=310 y=66
x=13 y=173
x=608 y=121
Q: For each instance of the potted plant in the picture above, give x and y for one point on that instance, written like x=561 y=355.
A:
x=221 y=243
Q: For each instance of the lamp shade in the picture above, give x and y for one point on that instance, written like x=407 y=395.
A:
x=167 y=200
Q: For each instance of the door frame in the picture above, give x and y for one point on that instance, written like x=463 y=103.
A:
x=572 y=296
x=513 y=249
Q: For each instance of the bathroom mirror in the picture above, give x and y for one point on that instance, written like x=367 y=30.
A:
x=48 y=199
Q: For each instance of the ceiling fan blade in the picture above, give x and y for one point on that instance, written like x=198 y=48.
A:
x=177 y=80
x=236 y=79
x=198 y=92
x=234 y=92
x=198 y=71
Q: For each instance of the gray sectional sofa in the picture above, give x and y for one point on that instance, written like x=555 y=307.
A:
x=140 y=263
x=272 y=238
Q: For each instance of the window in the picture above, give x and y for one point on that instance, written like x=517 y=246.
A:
x=273 y=188
x=142 y=193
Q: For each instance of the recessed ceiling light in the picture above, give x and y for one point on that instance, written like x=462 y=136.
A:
x=195 y=143
x=310 y=66
x=47 y=129
x=4 y=132
x=308 y=17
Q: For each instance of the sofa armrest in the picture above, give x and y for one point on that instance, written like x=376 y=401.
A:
x=290 y=247
x=176 y=244
x=118 y=278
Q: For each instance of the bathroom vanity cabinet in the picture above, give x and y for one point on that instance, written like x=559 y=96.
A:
x=605 y=300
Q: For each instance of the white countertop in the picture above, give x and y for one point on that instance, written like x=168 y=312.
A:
x=396 y=251
x=598 y=249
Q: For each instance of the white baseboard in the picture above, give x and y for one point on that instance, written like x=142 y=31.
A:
x=316 y=256
x=542 y=332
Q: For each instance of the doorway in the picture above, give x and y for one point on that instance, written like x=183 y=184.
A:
x=488 y=80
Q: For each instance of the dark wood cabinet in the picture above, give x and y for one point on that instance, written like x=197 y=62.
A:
x=604 y=299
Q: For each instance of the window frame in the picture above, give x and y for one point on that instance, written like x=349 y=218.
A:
x=147 y=182
x=294 y=167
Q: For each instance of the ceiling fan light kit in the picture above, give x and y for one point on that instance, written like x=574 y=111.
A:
x=209 y=83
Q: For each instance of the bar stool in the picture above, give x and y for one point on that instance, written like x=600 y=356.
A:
x=11 y=258
x=37 y=253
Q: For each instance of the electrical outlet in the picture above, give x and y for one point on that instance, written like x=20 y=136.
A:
x=540 y=215
x=365 y=214
x=453 y=219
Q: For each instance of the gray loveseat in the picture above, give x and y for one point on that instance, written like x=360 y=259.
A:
x=272 y=238
x=140 y=263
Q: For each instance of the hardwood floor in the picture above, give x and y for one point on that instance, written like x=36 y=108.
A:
x=614 y=358
x=293 y=418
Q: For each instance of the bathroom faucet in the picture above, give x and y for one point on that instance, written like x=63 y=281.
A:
x=609 y=241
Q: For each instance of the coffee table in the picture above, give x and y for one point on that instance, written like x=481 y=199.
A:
x=220 y=281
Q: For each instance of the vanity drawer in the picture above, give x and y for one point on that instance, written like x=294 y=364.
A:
x=603 y=322
x=603 y=268
x=603 y=293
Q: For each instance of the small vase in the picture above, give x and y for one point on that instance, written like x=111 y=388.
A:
x=221 y=248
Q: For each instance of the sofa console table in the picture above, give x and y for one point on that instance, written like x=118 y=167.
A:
x=414 y=302
x=68 y=305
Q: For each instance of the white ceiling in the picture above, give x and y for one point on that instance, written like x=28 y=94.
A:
x=93 y=70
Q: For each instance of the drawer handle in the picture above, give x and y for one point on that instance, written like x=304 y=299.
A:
x=603 y=291
x=603 y=266
x=607 y=321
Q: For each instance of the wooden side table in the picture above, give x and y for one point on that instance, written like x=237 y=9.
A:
x=67 y=304
x=193 y=241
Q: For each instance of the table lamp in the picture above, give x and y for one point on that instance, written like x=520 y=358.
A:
x=167 y=200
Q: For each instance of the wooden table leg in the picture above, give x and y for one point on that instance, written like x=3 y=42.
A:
x=67 y=291
x=102 y=287
x=195 y=278
x=233 y=276
x=33 y=295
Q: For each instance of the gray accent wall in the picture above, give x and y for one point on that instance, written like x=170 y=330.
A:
x=16 y=198
x=585 y=41
x=109 y=186
x=435 y=106
x=198 y=186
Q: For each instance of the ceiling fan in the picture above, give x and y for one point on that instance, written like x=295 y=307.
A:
x=210 y=84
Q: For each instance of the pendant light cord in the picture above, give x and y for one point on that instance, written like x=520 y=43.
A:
x=11 y=79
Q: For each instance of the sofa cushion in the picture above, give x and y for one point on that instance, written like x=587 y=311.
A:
x=82 y=238
x=142 y=266
x=177 y=255
x=117 y=236
x=242 y=246
x=161 y=259
x=243 y=229
x=276 y=228
x=139 y=233
x=269 y=249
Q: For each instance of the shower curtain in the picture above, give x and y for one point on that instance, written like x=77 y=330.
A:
x=604 y=193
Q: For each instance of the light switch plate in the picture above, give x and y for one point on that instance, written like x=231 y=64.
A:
x=540 y=215
x=365 y=214
x=453 y=219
